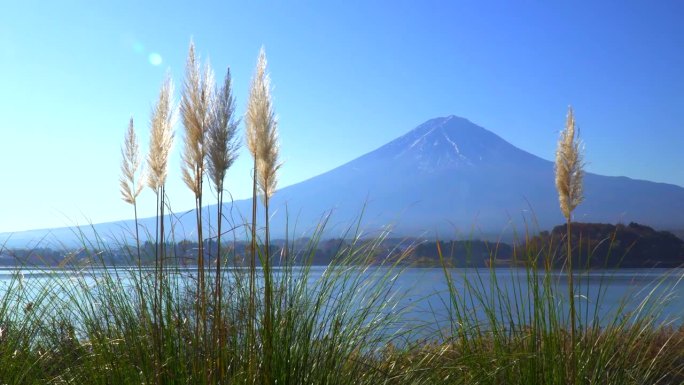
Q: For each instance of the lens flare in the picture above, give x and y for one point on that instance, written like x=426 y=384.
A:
x=155 y=59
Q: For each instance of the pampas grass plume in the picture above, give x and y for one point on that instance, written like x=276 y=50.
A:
x=161 y=136
x=129 y=181
x=221 y=145
x=569 y=167
x=262 y=129
x=195 y=108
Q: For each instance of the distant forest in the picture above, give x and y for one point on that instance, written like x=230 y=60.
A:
x=594 y=245
x=597 y=245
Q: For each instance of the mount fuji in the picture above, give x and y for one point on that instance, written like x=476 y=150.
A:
x=447 y=177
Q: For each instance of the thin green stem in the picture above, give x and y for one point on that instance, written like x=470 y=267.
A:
x=571 y=295
x=219 y=292
x=268 y=301
x=252 y=276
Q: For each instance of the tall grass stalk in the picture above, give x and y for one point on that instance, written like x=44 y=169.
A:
x=222 y=152
x=569 y=175
x=262 y=140
x=161 y=142
x=252 y=140
x=131 y=186
x=195 y=109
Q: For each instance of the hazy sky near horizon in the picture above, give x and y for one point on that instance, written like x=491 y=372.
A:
x=348 y=77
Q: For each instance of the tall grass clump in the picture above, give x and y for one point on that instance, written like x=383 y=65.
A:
x=569 y=175
x=20 y=316
x=508 y=326
x=330 y=325
x=161 y=142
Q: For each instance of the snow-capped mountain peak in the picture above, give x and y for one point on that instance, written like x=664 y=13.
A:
x=450 y=142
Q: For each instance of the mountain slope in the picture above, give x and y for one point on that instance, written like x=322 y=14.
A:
x=449 y=176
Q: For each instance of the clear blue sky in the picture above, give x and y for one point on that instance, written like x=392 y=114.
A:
x=349 y=76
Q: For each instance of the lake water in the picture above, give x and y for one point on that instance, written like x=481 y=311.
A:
x=604 y=294
x=422 y=295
